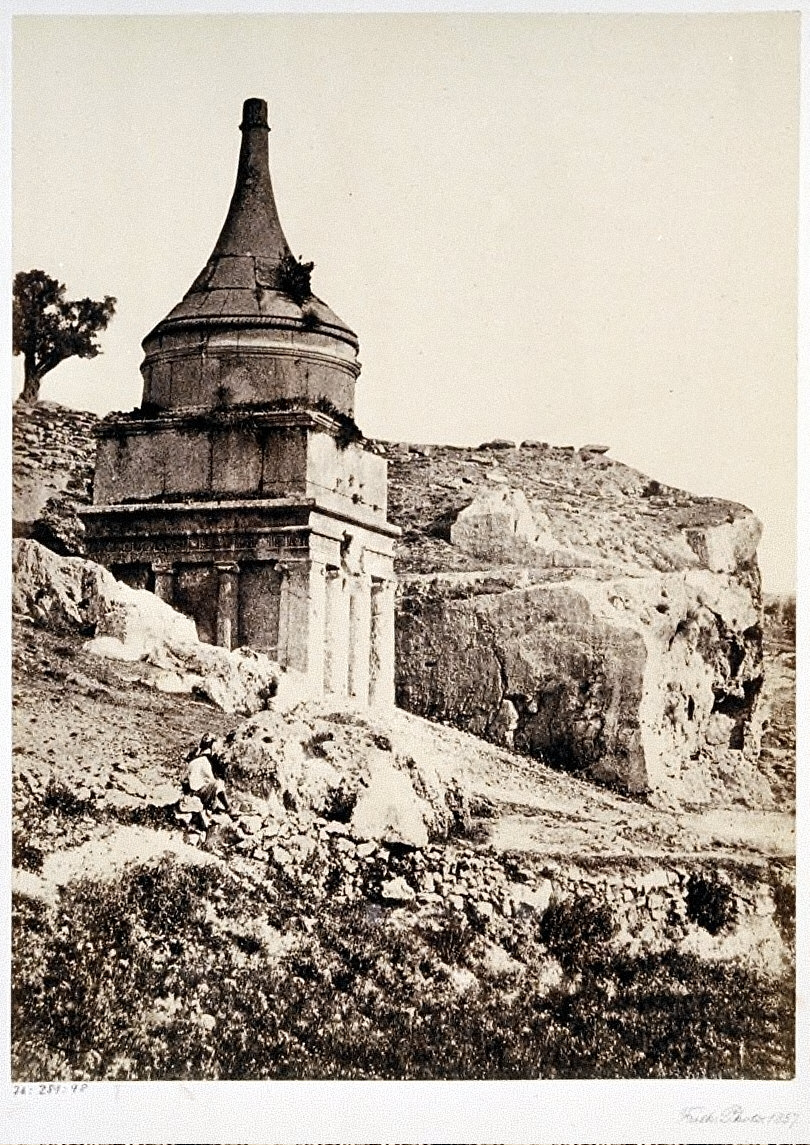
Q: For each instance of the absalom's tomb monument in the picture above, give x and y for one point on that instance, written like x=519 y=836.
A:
x=238 y=492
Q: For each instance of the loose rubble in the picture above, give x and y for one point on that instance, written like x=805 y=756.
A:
x=489 y=890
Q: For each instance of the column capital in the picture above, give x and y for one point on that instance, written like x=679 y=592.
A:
x=227 y=566
x=384 y=584
x=291 y=565
x=166 y=568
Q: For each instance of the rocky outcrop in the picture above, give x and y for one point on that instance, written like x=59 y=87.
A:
x=551 y=599
x=499 y=524
x=53 y=457
x=583 y=614
x=133 y=625
x=369 y=785
x=650 y=684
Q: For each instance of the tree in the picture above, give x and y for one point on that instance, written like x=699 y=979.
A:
x=47 y=327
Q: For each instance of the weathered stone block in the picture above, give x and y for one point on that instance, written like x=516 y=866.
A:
x=259 y=604
x=186 y=381
x=129 y=468
x=284 y=463
x=185 y=456
x=236 y=461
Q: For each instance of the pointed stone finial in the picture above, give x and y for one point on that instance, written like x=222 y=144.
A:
x=254 y=114
x=252 y=226
x=201 y=353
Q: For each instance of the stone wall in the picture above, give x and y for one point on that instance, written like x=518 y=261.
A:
x=53 y=458
x=718 y=910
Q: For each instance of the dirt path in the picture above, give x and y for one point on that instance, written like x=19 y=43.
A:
x=104 y=857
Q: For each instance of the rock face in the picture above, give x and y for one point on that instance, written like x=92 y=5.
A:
x=583 y=614
x=134 y=625
x=52 y=468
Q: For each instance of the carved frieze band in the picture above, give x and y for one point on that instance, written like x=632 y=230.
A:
x=247 y=546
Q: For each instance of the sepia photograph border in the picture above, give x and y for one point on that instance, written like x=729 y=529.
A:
x=527 y=1112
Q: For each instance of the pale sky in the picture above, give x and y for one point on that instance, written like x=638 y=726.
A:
x=574 y=228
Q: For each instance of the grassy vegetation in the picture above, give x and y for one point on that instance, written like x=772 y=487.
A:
x=169 y=973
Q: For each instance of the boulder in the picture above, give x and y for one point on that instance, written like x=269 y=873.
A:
x=325 y=768
x=498 y=443
x=647 y=683
x=500 y=525
x=725 y=547
x=397 y=890
x=482 y=910
x=534 y=899
x=389 y=810
x=134 y=625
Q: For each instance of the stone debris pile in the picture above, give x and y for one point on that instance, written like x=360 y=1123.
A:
x=376 y=777
x=653 y=906
x=326 y=857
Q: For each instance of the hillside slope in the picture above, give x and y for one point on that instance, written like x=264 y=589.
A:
x=290 y=937
x=553 y=601
x=588 y=511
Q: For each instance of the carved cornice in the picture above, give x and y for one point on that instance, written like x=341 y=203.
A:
x=103 y=518
x=297 y=350
x=205 y=321
x=205 y=417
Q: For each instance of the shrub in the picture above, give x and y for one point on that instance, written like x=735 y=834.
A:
x=784 y=901
x=63 y=800
x=309 y=318
x=575 y=930
x=339 y=803
x=294 y=278
x=25 y=854
x=162 y=975
x=449 y=937
x=709 y=902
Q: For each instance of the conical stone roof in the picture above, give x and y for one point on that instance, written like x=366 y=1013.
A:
x=243 y=287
